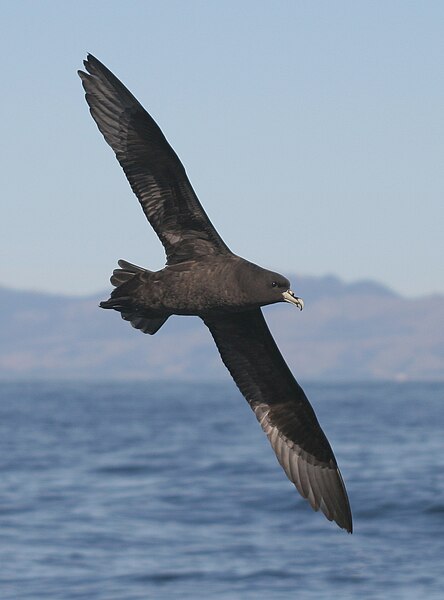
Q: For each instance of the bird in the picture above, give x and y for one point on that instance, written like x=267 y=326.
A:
x=204 y=278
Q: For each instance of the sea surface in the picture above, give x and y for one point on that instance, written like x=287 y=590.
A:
x=135 y=491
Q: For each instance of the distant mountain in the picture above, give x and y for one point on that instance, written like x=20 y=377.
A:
x=347 y=331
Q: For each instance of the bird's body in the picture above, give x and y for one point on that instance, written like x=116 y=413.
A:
x=204 y=278
x=202 y=287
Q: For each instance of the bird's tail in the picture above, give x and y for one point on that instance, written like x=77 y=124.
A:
x=125 y=280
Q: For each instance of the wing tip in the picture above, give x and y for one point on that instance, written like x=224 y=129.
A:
x=346 y=517
x=91 y=60
x=93 y=67
x=345 y=523
x=342 y=515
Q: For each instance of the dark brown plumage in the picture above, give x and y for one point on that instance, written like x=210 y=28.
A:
x=203 y=277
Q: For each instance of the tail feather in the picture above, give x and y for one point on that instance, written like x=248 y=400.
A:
x=126 y=272
x=126 y=303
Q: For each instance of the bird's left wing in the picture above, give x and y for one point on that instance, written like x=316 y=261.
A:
x=251 y=355
x=153 y=169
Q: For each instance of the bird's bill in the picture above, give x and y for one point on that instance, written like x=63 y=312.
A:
x=289 y=296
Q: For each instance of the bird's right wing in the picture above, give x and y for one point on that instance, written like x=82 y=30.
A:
x=251 y=355
x=153 y=169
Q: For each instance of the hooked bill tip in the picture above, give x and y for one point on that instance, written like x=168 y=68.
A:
x=290 y=296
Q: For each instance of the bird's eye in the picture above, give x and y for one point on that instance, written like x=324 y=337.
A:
x=274 y=284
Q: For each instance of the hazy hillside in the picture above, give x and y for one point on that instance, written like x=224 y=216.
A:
x=347 y=331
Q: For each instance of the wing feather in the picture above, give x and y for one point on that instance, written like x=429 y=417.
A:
x=251 y=355
x=153 y=169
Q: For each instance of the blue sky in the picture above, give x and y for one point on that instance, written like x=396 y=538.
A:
x=311 y=131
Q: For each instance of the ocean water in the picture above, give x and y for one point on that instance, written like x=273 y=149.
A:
x=167 y=490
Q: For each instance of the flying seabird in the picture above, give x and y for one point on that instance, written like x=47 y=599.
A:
x=203 y=277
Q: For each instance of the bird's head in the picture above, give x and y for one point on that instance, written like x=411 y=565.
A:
x=263 y=287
